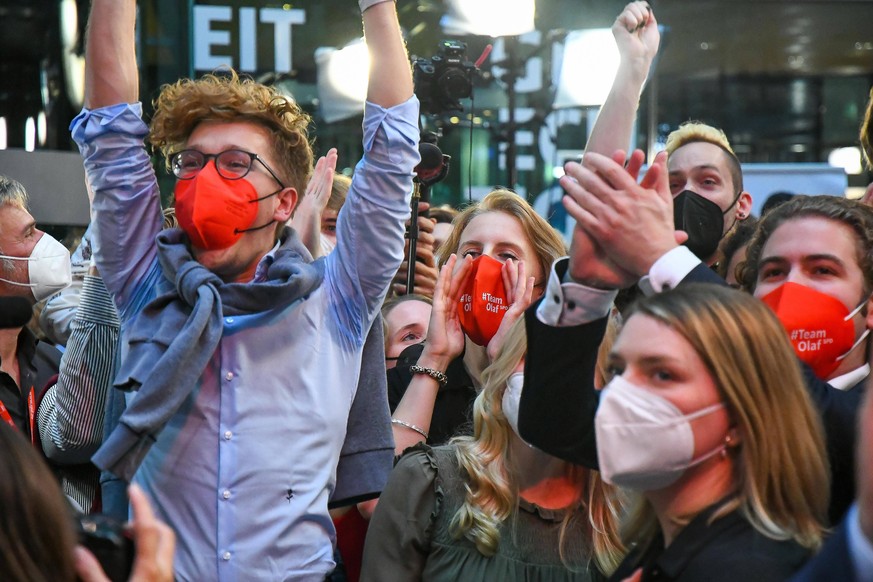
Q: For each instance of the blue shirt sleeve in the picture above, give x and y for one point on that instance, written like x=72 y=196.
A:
x=371 y=223
x=125 y=200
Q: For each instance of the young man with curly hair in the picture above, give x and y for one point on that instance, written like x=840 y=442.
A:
x=243 y=357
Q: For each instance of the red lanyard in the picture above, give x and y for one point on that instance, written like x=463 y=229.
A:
x=31 y=415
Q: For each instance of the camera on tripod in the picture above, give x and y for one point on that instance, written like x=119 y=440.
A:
x=444 y=79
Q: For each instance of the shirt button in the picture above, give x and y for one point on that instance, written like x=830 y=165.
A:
x=571 y=305
x=227 y=435
x=225 y=556
x=229 y=320
x=228 y=376
x=226 y=494
x=556 y=299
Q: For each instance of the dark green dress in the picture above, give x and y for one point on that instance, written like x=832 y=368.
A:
x=409 y=537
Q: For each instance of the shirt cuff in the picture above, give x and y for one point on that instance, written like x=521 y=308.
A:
x=401 y=131
x=95 y=303
x=669 y=270
x=567 y=303
x=860 y=548
x=125 y=118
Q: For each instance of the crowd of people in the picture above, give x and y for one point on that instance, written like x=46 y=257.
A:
x=249 y=380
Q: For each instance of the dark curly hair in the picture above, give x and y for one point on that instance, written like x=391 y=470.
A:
x=852 y=213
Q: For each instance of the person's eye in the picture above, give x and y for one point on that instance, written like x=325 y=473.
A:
x=710 y=182
x=823 y=270
x=411 y=337
x=614 y=370
x=508 y=256
x=771 y=273
x=330 y=228
x=675 y=187
x=471 y=253
x=662 y=375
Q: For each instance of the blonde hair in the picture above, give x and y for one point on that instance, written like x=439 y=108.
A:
x=183 y=105
x=338 y=191
x=694 y=132
x=545 y=240
x=866 y=133
x=781 y=466
x=486 y=461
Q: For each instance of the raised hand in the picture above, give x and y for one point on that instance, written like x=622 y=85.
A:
x=637 y=36
x=632 y=224
x=445 y=338
x=307 y=216
x=519 y=291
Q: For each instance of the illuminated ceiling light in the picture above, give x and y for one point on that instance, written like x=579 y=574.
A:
x=489 y=17
x=29 y=134
x=41 y=128
x=847 y=158
x=588 y=68
x=342 y=80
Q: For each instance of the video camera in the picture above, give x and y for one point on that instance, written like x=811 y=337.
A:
x=444 y=78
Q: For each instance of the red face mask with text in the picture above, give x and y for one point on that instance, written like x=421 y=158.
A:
x=215 y=212
x=483 y=302
x=820 y=326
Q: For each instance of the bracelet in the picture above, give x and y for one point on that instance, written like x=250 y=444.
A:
x=441 y=378
x=410 y=426
x=364 y=4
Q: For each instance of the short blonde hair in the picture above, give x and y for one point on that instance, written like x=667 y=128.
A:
x=545 y=240
x=185 y=104
x=694 y=132
x=339 y=191
x=782 y=475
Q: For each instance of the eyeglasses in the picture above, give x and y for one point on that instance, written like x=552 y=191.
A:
x=230 y=164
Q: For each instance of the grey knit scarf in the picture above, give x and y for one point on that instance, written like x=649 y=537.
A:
x=174 y=337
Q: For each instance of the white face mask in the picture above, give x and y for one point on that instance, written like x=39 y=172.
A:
x=511 y=400
x=48 y=268
x=644 y=442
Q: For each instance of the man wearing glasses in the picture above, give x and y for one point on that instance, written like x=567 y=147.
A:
x=243 y=356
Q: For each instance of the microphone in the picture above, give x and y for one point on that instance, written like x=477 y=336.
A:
x=14 y=312
x=430 y=169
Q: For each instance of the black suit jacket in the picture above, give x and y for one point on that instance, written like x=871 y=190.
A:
x=832 y=562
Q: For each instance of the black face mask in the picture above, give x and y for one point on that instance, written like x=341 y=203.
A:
x=702 y=219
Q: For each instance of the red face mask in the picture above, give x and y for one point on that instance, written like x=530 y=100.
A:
x=483 y=303
x=215 y=212
x=820 y=327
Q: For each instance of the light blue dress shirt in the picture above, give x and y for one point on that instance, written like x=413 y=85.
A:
x=243 y=472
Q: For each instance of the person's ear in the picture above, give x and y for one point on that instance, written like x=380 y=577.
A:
x=744 y=205
x=287 y=202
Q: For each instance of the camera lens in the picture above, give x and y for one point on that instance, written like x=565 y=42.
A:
x=455 y=84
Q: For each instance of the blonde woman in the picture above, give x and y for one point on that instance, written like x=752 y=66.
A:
x=431 y=400
x=490 y=506
x=708 y=421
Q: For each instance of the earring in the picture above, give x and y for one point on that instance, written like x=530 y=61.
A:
x=727 y=444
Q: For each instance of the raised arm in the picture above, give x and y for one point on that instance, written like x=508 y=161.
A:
x=110 y=133
x=390 y=72
x=111 y=74
x=636 y=33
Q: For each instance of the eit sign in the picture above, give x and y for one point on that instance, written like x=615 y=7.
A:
x=246 y=38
